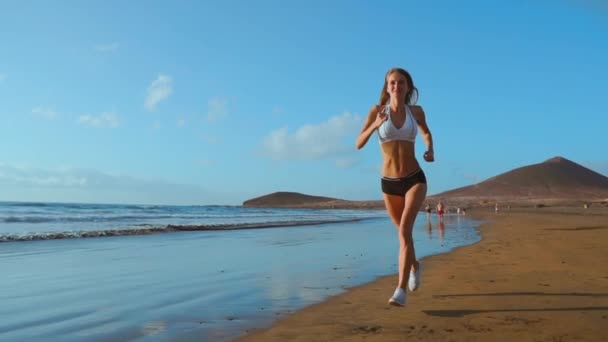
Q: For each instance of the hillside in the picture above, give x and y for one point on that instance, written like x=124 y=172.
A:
x=557 y=178
x=298 y=200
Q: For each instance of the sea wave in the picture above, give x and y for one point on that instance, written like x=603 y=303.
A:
x=99 y=218
x=162 y=229
x=134 y=217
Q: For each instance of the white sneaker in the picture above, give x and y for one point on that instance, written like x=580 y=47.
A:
x=399 y=297
x=414 y=282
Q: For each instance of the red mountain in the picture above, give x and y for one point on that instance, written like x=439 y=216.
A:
x=556 y=178
x=285 y=199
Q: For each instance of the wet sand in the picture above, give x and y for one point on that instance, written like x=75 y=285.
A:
x=536 y=275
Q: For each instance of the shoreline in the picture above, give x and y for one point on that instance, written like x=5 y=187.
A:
x=170 y=228
x=503 y=287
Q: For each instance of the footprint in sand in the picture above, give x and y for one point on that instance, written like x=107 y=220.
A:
x=368 y=329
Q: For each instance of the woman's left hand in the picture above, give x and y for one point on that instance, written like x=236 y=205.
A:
x=429 y=156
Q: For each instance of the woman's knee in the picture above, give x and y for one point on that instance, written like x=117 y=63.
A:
x=405 y=236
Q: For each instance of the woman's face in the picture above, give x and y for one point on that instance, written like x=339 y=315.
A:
x=396 y=85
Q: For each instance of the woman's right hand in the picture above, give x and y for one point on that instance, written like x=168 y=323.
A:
x=380 y=117
x=374 y=119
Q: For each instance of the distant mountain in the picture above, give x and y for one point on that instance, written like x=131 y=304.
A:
x=298 y=200
x=556 y=178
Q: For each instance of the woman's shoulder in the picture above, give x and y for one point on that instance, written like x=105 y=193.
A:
x=417 y=111
x=376 y=108
x=416 y=108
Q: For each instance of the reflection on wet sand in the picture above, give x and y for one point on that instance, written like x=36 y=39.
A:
x=441 y=221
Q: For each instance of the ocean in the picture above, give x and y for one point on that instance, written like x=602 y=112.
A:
x=95 y=272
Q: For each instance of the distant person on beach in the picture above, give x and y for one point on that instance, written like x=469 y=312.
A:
x=427 y=209
x=440 y=209
x=403 y=182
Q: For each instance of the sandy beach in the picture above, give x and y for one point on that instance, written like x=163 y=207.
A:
x=536 y=275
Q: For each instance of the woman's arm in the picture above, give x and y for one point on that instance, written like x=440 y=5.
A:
x=374 y=119
x=418 y=112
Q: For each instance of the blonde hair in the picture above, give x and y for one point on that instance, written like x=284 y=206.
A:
x=412 y=95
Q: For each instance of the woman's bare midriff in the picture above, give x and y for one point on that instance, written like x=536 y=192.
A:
x=398 y=158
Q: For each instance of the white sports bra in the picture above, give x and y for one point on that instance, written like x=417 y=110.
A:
x=388 y=132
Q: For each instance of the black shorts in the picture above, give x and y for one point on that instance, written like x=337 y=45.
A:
x=400 y=186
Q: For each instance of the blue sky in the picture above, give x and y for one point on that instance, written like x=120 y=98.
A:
x=216 y=102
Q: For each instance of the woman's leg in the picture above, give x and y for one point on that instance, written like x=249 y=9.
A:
x=395 y=207
x=414 y=199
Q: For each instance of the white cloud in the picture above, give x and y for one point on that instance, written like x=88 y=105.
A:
x=32 y=177
x=104 y=120
x=28 y=183
x=45 y=112
x=160 y=90
x=313 y=141
x=111 y=47
x=217 y=108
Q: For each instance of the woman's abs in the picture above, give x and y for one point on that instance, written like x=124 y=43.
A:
x=399 y=159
